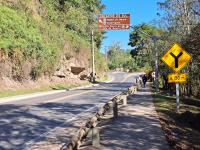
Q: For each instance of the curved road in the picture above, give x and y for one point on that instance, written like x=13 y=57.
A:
x=24 y=123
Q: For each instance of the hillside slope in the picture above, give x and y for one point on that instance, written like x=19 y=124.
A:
x=44 y=39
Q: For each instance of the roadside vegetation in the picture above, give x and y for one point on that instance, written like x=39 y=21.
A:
x=181 y=130
x=42 y=88
x=179 y=23
x=38 y=38
x=121 y=59
x=35 y=35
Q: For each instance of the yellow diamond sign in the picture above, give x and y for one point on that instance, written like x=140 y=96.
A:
x=176 y=57
x=177 y=78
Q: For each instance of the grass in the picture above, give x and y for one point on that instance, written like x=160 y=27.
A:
x=60 y=86
x=167 y=103
x=20 y=92
x=63 y=86
x=178 y=127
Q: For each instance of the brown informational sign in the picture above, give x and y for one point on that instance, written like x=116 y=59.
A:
x=113 y=21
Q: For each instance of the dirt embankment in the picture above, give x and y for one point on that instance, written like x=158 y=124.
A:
x=63 y=74
x=48 y=51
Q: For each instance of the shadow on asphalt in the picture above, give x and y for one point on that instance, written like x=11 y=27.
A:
x=132 y=130
x=21 y=123
x=111 y=86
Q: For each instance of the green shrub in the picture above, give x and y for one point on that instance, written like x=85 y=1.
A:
x=38 y=32
x=21 y=39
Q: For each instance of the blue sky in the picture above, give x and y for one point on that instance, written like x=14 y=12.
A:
x=142 y=11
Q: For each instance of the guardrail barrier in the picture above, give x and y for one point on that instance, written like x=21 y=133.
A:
x=91 y=124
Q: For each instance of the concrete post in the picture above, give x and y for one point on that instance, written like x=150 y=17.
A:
x=95 y=138
x=115 y=109
x=124 y=100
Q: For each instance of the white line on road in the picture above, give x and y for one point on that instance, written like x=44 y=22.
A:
x=22 y=97
x=127 y=77
x=78 y=94
x=65 y=97
x=26 y=96
x=82 y=114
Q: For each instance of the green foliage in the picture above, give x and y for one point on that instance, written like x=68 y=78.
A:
x=192 y=44
x=119 y=58
x=137 y=38
x=76 y=16
x=181 y=21
x=179 y=14
x=101 y=63
x=16 y=31
x=143 y=47
x=41 y=88
x=115 y=56
x=140 y=41
x=39 y=32
x=21 y=40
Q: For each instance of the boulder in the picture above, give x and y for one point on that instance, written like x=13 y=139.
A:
x=77 y=70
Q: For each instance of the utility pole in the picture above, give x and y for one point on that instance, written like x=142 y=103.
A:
x=93 y=58
x=187 y=25
x=156 y=63
x=186 y=22
x=106 y=55
x=186 y=17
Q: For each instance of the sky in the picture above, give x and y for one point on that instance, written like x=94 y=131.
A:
x=142 y=11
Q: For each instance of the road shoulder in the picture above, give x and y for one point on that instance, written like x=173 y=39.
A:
x=182 y=129
x=137 y=126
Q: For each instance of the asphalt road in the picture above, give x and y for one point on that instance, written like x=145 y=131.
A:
x=25 y=122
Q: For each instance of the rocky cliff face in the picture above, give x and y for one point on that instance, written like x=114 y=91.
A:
x=65 y=66
x=62 y=73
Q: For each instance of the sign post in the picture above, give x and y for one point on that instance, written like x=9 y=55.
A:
x=177 y=79
x=109 y=22
x=177 y=97
x=176 y=58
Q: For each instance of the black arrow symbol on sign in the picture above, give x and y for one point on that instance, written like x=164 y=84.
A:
x=176 y=58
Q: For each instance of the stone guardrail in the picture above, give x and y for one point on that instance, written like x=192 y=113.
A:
x=91 y=124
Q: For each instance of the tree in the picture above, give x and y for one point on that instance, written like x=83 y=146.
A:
x=181 y=16
x=43 y=31
x=192 y=45
x=143 y=46
x=120 y=58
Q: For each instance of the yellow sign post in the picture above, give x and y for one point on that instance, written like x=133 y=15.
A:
x=177 y=78
x=176 y=57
